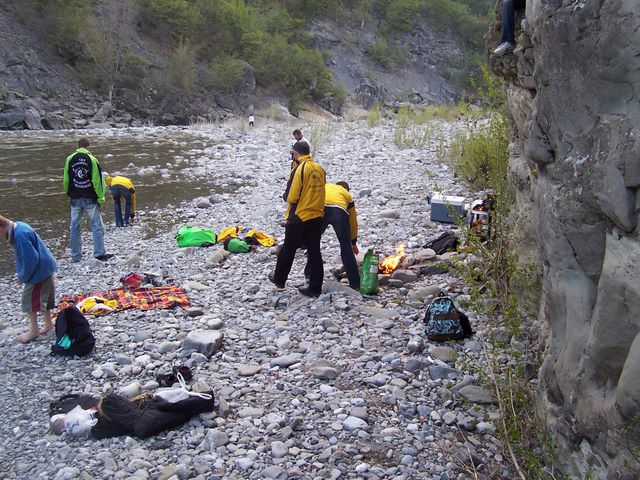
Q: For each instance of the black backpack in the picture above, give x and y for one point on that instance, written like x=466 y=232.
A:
x=445 y=322
x=73 y=334
x=444 y=243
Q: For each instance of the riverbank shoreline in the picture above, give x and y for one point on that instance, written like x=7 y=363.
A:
x=388 y=404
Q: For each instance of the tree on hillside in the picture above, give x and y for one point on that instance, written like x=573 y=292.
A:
x=107 y=46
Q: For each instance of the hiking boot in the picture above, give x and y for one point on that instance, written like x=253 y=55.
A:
x=105 y=257
x=184 y=371
x=308 y=292
x=503 y=48
x=272 y=279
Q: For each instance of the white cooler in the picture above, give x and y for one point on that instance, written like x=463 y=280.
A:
x=446 y=209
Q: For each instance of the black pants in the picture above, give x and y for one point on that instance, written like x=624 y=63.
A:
x=309 y=233
x=339 y=220
x=509 y=8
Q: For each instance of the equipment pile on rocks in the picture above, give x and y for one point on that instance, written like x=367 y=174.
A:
x=342 y=386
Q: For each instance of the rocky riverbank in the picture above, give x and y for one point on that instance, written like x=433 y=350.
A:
x=343 y=386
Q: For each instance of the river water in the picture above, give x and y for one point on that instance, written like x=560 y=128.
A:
x=31 y=169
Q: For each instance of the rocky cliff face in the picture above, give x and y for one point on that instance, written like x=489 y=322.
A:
x=573 y=95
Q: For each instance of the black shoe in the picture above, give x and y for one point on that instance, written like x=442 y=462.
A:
x=105 y=257
x=184 y=371
x=308 y=292
x=279 y=286
x=166 y=379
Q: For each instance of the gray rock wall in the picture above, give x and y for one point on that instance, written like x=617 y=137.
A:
x=574 y=100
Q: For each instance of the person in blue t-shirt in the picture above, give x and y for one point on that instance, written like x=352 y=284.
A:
x=35 y=267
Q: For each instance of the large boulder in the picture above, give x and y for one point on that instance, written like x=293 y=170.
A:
x=33 y=119
x=103 y=113
x=575 y=115
x=368 y=95
x=12 y=120
x=248 y=84
x=56 y=121
x=227 y=101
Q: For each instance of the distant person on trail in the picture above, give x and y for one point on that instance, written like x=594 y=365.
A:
x=84 y=184
x=35 y=267
x=508 y=41
x=305 y=195
x=340 y=213
x=252 y=120
x=122 y=189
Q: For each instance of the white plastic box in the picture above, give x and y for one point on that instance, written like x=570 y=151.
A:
x=446 y=209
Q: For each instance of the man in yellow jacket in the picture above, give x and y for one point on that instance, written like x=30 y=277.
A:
x=340 y=213
x=122 y=189
x=305 y=196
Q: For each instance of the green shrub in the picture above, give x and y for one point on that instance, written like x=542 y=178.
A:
x=134 y=72
x=401 y=15
x=177 y=17
x=480 y=156
x=227 y=73
x=374 y=116
x=408 y=133
x=339 y=93
x=70 y=20
x=178 y=78
x=380 y=52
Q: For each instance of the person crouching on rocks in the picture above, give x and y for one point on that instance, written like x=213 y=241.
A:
x=305 y=195
x=340 y=213
x=122 y=189
x=35 y=267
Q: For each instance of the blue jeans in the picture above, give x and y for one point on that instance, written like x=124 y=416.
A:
x=509 y=8
x=119 y=193
x=339 y=220
x=78 y=208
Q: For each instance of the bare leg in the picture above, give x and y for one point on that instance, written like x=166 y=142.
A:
x=33 y=332
x=48 y=324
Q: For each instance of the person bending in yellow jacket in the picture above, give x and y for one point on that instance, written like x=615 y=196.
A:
x=122 y=189
x=305 y=196
x=340 y=213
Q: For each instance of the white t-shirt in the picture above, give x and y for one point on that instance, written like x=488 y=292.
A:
x=252 y=118
x=301 y=140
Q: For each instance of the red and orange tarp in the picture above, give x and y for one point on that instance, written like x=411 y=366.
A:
x=139 y=298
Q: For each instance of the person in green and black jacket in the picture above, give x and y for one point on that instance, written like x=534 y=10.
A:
x=83 y=183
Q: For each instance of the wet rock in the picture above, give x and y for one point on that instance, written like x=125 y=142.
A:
x=32 y=119
x=12 y=120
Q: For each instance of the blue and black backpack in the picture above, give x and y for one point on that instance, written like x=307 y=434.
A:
x=445 y=322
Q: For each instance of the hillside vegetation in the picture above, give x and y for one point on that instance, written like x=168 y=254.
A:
x=210 y=45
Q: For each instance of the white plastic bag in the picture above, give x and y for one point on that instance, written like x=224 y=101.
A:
x=78 y=422
x=177 y=394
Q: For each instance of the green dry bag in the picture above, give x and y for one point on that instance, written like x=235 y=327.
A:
x=195 y=237
x=369 y=274
x=236 y=245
